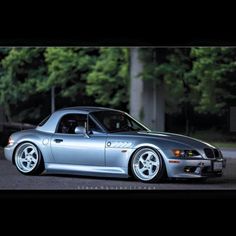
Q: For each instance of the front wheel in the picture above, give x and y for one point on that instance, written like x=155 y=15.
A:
x=28 y=159
x=147 y=165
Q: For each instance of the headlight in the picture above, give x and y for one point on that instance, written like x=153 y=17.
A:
x=10 y=141
x=186 y=153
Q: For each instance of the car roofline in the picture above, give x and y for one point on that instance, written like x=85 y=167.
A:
x=50 y=127
x=88 y=109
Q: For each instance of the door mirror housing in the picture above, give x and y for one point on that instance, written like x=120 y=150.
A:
x=80 y=130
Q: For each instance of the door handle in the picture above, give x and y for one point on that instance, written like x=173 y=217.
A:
x=58 y=140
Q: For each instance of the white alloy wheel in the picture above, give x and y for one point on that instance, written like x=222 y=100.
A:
x=147 y=165
x=27 y=158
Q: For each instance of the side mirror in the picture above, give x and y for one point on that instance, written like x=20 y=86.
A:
x=80 y=130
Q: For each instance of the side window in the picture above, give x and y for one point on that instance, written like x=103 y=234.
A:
x=94 y=127
x=68 y=123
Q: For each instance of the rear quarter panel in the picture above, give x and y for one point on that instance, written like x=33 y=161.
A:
x=40 y=139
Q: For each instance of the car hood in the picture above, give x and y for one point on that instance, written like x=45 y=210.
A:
x=169 y=137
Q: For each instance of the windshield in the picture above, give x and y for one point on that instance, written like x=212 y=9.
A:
x=114 y=121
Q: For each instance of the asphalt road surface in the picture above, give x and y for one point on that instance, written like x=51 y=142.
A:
x=11 y=179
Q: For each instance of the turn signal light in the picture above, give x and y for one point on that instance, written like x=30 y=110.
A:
x=177 y=153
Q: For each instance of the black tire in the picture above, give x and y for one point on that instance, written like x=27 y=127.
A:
x=158 y=173
x=28 y=159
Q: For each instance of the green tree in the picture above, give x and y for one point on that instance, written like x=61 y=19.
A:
x=198 y=80
x=68 y=69
x=81 y=75
x=215 y=69
x=22 y=70
x=108 y=81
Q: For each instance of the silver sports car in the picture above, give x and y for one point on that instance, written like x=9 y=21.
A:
x=107 y=142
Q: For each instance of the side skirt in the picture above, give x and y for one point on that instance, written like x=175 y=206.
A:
x=52 y=168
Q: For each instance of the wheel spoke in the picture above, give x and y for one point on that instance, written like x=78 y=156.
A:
x=32 y=152
x=142 y=161
x=155 y=163
x=23 y=162
x=150 y=172
x=142 y=169
x=24 y=152
x=28 y=165
x=149 y=156
x=34 y=160
x=141 y=158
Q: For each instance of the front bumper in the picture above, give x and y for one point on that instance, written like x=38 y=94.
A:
x=8 y=152
x=199 y=168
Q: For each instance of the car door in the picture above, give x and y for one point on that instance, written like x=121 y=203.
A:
x=78 y=149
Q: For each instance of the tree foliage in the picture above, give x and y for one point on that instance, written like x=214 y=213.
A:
x=200 y=80
x=215 y=69
x=68 y=69
x=173 y=67
x=202 y=77
x=80 y=75
x=108 y=80
x=22 y=70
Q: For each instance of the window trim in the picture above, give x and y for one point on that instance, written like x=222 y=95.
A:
x=132 y=118
x=90 y=115
x=87 y=118
x=59 y=121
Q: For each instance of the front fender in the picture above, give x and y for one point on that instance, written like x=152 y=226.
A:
x=153 y=146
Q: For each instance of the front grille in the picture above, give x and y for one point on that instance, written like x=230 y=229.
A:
x=209 y=152
x=216 y=152
x=212 y=153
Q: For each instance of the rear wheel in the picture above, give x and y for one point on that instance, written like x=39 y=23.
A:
x=28 y=159
x=147 y=165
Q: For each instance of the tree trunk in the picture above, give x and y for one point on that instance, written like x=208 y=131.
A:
x=136 y=85
x=147 y=98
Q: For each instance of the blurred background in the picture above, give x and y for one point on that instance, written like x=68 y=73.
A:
x=190 y=91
